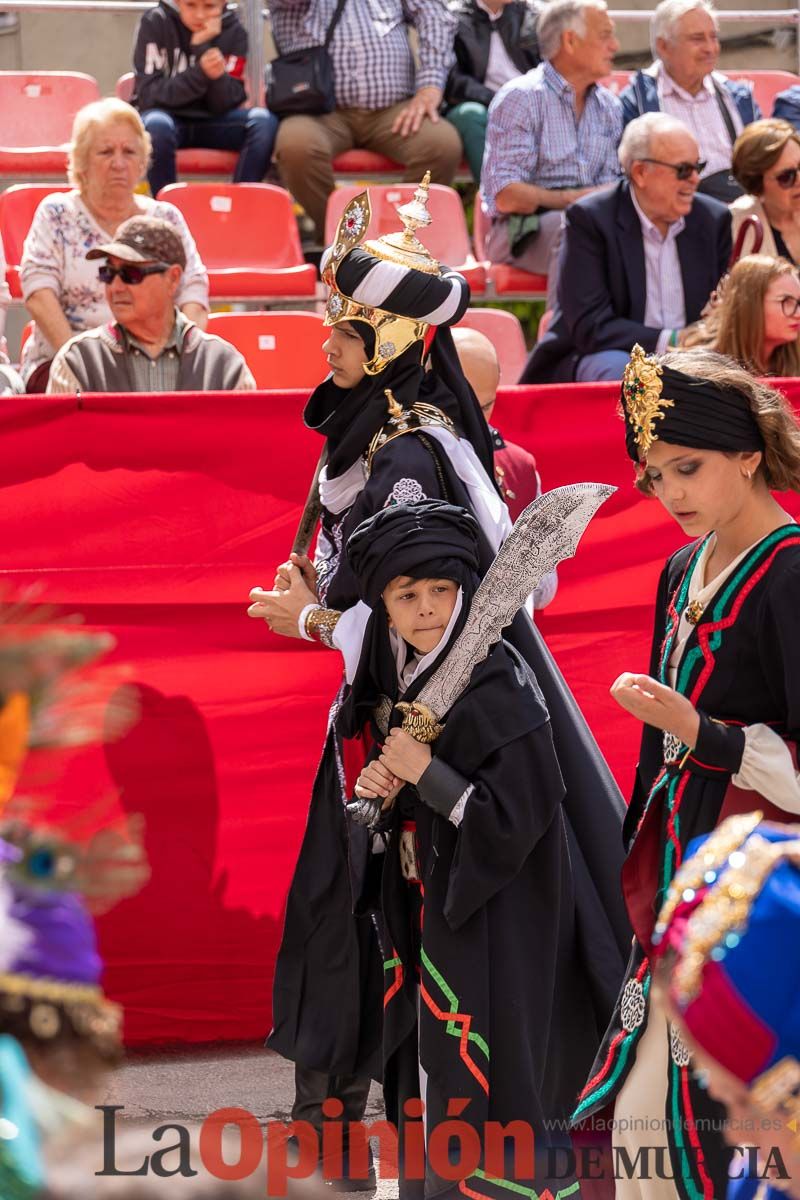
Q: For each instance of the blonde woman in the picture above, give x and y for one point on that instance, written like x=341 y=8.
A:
x=757 y=315
x=108 y=158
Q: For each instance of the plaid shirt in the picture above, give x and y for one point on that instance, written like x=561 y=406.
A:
x=158 y=374
x=533 y=137
x=372 y=61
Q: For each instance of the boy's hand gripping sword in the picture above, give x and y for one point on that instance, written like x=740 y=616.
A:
x=545 y=533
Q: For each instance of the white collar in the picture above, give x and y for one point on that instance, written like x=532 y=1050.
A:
x=493 y=16
x=675 y=228
x=668 y=85
x=338 y=494
x=405 y=660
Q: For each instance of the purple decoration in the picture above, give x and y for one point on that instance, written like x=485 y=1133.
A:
x=9 y=853
x=63 y=944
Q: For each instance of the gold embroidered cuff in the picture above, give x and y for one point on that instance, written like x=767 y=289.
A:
x=320 y=624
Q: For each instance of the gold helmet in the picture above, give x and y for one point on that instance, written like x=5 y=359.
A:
x=389 y=266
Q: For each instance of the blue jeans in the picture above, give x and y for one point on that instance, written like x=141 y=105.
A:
x=605 y=364
x=250 y=131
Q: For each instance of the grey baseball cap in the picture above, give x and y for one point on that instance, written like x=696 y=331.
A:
x=142 y=240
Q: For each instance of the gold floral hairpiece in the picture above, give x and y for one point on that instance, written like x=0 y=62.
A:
x=641 y=390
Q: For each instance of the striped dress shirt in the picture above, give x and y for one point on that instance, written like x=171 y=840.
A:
x=665 y=306
x=533 y=136
x=373 y=66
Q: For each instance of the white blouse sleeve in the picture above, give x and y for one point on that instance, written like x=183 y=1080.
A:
x=194 y=285
x=43 y=254
x=767 y=768
x=348 y=636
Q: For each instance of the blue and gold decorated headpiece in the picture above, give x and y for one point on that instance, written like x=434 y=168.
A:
x=732 y=920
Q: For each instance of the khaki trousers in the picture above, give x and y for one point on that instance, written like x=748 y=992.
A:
x=306 y=146
x=640 y=1111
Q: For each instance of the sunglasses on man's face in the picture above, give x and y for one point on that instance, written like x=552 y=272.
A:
x=684 y=170
x=129 y=273
x=788 y=178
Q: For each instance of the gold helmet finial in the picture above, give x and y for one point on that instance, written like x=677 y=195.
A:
x=394 y=333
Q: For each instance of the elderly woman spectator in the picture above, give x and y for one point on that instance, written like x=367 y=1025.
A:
x=108 y=158
x=756 y=315
x=766 y=162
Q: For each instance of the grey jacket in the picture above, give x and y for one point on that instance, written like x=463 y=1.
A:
x=97 y=361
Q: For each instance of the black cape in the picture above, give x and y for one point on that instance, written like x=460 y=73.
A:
x=504 y=1018
x=328 y=977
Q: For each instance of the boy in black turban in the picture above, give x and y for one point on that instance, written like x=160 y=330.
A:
x=486 y=999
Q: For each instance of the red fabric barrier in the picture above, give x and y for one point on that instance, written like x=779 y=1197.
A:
x=153 y=517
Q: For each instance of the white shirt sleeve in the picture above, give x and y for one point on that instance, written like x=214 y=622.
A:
x=348 y=636
x=767 y=768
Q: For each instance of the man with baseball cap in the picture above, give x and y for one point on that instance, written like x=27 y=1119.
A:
x=150 y=346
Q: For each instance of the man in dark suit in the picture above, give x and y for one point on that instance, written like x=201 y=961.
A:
x=638 y=262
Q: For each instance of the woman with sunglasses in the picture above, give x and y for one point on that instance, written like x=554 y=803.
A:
x=757 y=315
x=719 y=706
x=766 y=162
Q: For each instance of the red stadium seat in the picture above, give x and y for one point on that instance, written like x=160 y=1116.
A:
x=766 y=85
x=447 y=238
x=247 y=237
x=17 y=207
x=39 y=108
x=365 y=162
x=617 y=81
x=282 y=349
x=509 y=282
x=190 y=162
x=505 y=333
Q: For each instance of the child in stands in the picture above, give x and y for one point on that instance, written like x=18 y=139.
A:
x=189 y=61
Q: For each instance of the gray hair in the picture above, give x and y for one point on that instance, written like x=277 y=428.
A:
x=557 y=17
x=667 y=15
x=637 y=137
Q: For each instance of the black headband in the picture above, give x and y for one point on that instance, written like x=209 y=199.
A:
x=661 y=404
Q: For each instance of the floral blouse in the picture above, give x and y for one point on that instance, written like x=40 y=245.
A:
x=62 y=233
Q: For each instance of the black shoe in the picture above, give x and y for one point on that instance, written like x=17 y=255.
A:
x=344 y=1183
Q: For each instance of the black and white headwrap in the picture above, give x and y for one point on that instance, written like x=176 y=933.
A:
x=440 y=299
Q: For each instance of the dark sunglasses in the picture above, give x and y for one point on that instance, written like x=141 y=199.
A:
x=683 y=170
x=129 y=273
x=788 y=178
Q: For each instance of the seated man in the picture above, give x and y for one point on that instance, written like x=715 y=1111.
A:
x=638 y=263
x=189 y=61
x=151 y=346
x=552 y=135
x=382 y=103
x=683 y=81
x=495 y=42
x=514 y=467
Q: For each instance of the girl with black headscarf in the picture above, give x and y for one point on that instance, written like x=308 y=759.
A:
x=720 y=707
x=486 y=1001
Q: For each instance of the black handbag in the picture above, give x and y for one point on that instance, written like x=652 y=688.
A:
x=301 y=83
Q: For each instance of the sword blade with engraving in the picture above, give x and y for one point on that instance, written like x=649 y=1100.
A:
x=545 y=533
